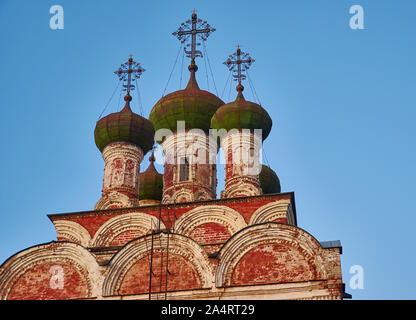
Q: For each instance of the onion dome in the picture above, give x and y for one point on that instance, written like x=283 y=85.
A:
x=242 y=114
x=269 y=181
x=124 y=126
x=192 y=105
x=151 y=183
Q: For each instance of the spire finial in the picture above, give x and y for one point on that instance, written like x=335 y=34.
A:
x=239 y=62
x=188 y=32
x=128 y=72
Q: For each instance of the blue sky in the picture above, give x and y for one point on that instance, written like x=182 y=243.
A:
x=342 y=103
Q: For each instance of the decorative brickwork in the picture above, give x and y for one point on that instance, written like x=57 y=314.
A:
x=136 y=253
x=189 y=167
x=35 y=273
x=266 y=240
x=67 y=230
x=242 y=167
x=221 y=249
x=121 y=176
x=278 y=211
x=126 y=227
x=221 y=215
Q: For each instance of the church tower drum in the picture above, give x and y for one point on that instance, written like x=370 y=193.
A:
x=246 y=125
x=190 y=153
x=123 y=138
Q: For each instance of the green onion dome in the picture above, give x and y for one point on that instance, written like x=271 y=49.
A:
x=192 y=105
x=124 y=126
x=151 y=183
x=269 y=181
x=242 y=114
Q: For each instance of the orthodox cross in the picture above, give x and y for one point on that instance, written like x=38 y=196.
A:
x=128 y=72
x=239 y=62
x=189 y=30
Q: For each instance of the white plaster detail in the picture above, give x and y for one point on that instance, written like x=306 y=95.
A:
x=72 y=231
x=241 y=187
x=222 y=215
x=200 y=151
x=139 y=221
x=121 y=173
x=244 y=149
x=121 y=263
x=272 y=211
x=115 y=199
x=52 y=252
x=256 y=235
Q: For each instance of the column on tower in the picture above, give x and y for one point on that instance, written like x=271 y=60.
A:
x=190 y=152
x=182 y=118
x=123 y=137
x=242 y=163
x=190 y=166
x=244 y=125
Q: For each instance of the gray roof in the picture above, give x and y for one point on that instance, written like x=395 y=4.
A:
x=331 y=244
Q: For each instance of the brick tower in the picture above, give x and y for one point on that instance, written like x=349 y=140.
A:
x=183 y=120
x=170 y=237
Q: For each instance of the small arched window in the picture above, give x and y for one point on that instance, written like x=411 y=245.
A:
x=184 y=169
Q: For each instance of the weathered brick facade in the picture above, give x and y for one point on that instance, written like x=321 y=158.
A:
x=180 y=241
x=240 y=248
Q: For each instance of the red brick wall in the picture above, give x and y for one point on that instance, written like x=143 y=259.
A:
x=92 y=223
x=246 y=208
x=183 y=275
x=210 y=233
x=125 y=237
x=35 y=284
x=270 y=263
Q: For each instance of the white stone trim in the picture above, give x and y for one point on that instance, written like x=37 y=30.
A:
x=222 y=215
x=72 y=231
x=305 y=290
x=241 y=187
x=121 y=263
x=117 y=199
x=122 y=223
x=201 y=150
x=272 y=211
x=187 y=144
x=54 y=252
x=271 y=232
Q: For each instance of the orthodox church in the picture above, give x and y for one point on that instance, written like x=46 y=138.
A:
x=168 y=236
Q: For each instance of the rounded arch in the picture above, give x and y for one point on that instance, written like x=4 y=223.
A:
x=222 y=215
x=114 y=199
x=241 y=187
x=133 y=221
x=72 y=231
x=52 y=253
x=138 y=249
x=275 y=233
x=183 y=195
x=271 y=212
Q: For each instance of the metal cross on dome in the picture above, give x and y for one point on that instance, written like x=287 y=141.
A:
x=189 y=30
x=238 y=62
x=128 y=72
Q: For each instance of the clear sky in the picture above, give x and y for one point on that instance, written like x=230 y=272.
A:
x=342 y=103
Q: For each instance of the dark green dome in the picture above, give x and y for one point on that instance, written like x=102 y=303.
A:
x=269 y=181
x=242 y=114
x=192 y=105
x=151 y=183
x=124 y=126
